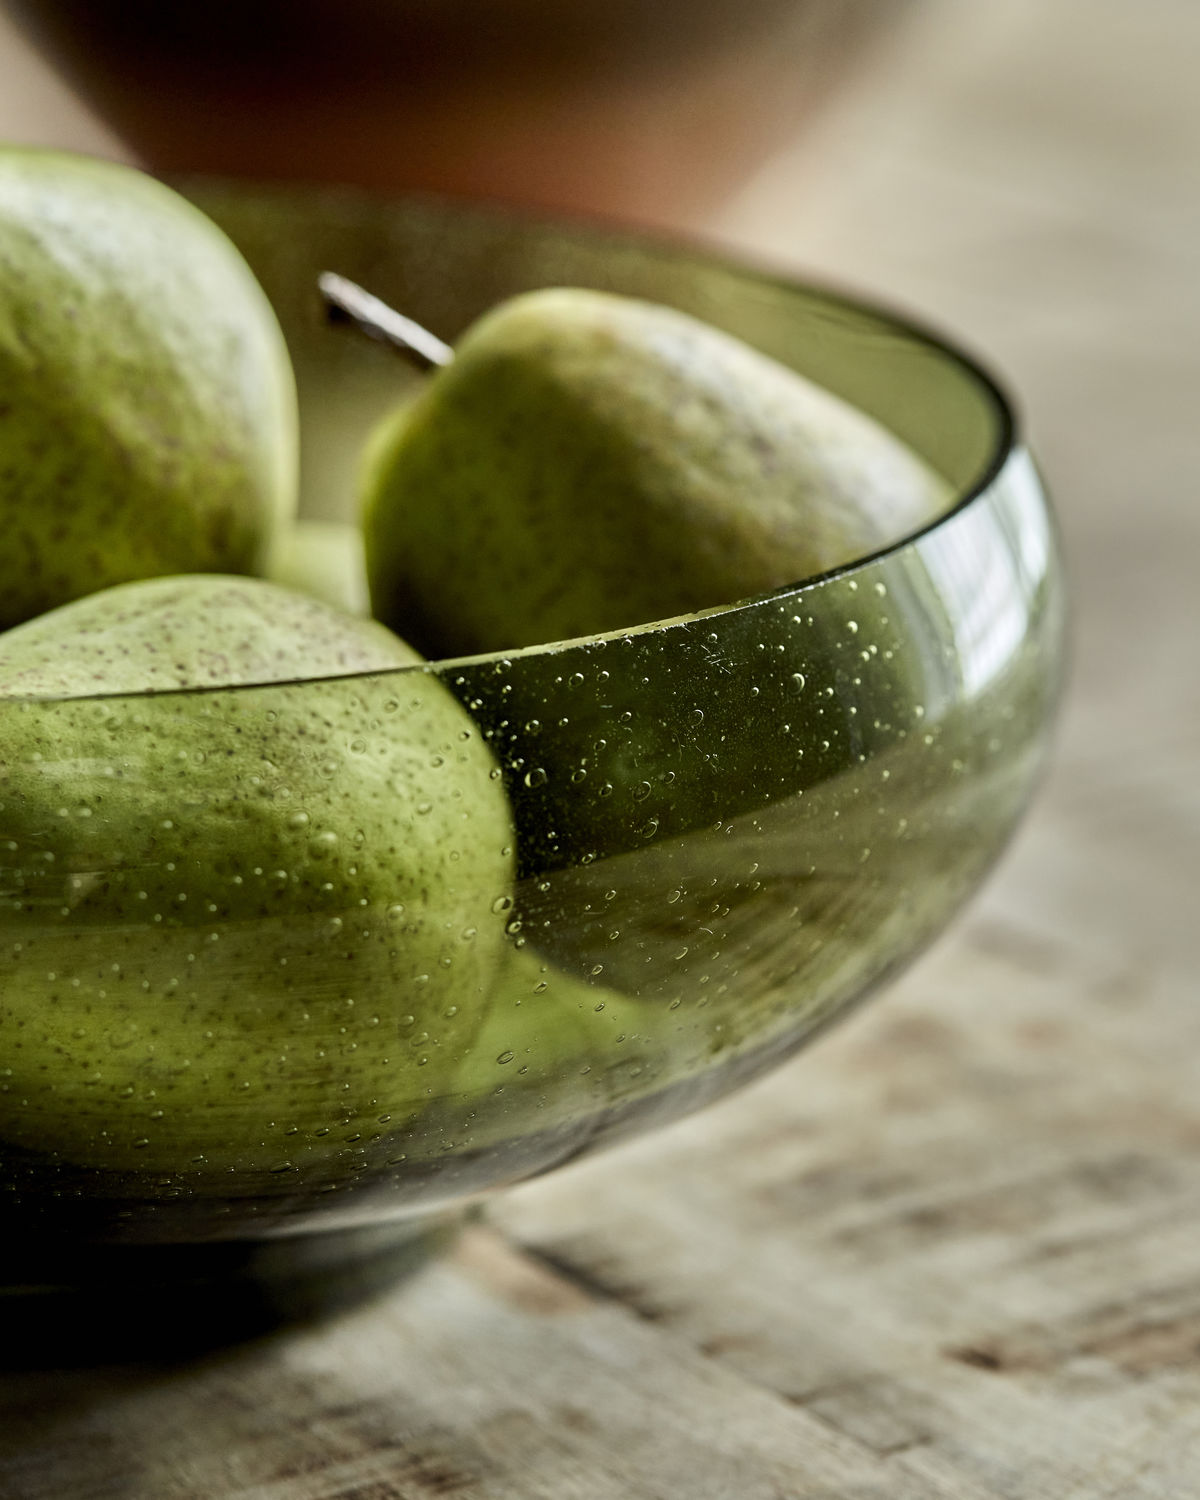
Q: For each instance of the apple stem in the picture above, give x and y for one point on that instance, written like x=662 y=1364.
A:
x=345 y=299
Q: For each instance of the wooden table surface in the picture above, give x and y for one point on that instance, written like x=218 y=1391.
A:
x=954 y=1250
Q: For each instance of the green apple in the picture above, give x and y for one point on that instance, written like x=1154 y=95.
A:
x=246 y=922
x=589 y=463
x=586 y=462
x=147 y=406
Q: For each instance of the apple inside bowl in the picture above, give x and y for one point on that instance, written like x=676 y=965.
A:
x=704 y=838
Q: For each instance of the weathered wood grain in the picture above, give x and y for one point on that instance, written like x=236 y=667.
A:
x=950 y=1253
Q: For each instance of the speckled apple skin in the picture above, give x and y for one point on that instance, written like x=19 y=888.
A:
x=590 y=462
x=248 y=929
x=148 y=417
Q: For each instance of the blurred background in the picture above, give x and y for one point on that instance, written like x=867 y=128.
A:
x=648 y=110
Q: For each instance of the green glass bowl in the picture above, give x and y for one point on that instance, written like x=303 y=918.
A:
x=727 y=829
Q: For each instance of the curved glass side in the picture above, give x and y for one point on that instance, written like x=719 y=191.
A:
x=258 y=951
x=738 y=826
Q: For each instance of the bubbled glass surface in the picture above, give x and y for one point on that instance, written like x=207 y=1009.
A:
x=263 y=968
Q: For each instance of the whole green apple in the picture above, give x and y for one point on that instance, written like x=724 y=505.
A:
x=147 y=405
x=590 y=463
x=586 y=462
x=245 y=927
